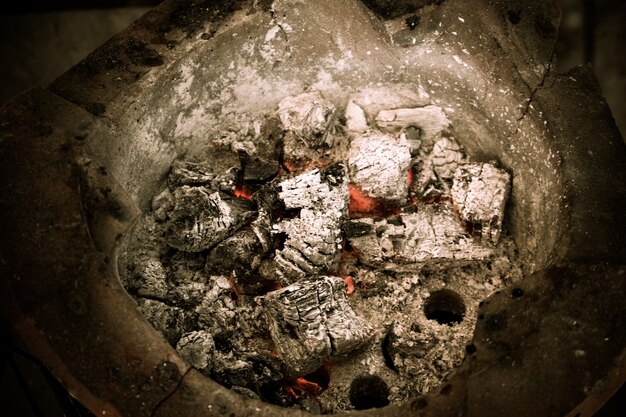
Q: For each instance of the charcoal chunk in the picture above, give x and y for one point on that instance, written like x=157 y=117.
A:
x=480 y=192
x=201 y=218
x=311 y=320
x=431 y=233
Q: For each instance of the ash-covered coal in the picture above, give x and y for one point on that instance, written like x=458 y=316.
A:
x=321 y=257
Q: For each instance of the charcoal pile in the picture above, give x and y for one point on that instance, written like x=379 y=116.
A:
x=328 y=259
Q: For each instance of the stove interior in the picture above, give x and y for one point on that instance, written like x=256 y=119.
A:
x=322 y=256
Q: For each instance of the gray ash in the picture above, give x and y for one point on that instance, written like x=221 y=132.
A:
x=323 y=261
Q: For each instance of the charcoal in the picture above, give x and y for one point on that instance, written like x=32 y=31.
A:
x=217 y=311
x=437 y=167
x=239 y=256
x=171 y=322
x=191 y=173
x=355 y=118
x=379 y=165
x=162 y=204
x=139 y=261
x=480 y=191
x=312 y=239
x=202 y=218
x=258 y=169
x=198 y=349
x=431 y=233
x=311 y=320
x=430 y=120
x=446 y=157
x=309 y=116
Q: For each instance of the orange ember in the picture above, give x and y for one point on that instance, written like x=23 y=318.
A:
x=301 y=386
x=410 y=177
x=242 y=191
x=301 y=166
x=361 y=202
x=362 y=205
x=350 y=283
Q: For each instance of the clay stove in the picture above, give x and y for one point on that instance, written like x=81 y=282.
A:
x=310 y=245
x=150 y=109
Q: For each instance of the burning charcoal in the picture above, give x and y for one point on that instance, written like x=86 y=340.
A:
x=479 y=192
x=355 y=118
x=313 y=238
x=201 y=218
x=171 y=322
x=431 y=233
x=379 y=165
x=197 y=348
x=430 y=120
x=312 y=320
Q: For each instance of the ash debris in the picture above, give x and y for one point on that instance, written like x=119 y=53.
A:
x=242 y=262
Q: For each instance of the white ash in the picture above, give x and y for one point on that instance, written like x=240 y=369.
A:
x=430 y=120
x=378 y=165
x=312 y=320
x=201 y=218
x=432 y=233
x=356 y=121
x=203 y=301
x=480 y=191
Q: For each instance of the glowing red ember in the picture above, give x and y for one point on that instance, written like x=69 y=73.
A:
x=241 y=191
x=350 y=283
x=301 y=386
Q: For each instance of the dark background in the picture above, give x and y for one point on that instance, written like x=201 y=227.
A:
x=41 y=39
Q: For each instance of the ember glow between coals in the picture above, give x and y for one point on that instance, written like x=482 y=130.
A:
x=347 y=249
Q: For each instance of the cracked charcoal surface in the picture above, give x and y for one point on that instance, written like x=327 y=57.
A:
x=480 y=192
x=311 y=320
x=379 y=164
x=252 y=293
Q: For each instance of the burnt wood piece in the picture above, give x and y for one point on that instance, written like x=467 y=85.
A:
x=479 y=192
x=202 y=218
x=431 y=233
x=312 y=238
x=378 y=165
x=356 y=121
x=311 y=321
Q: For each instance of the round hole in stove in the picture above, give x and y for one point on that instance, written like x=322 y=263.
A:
x=445 y=306
x=368 y=391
